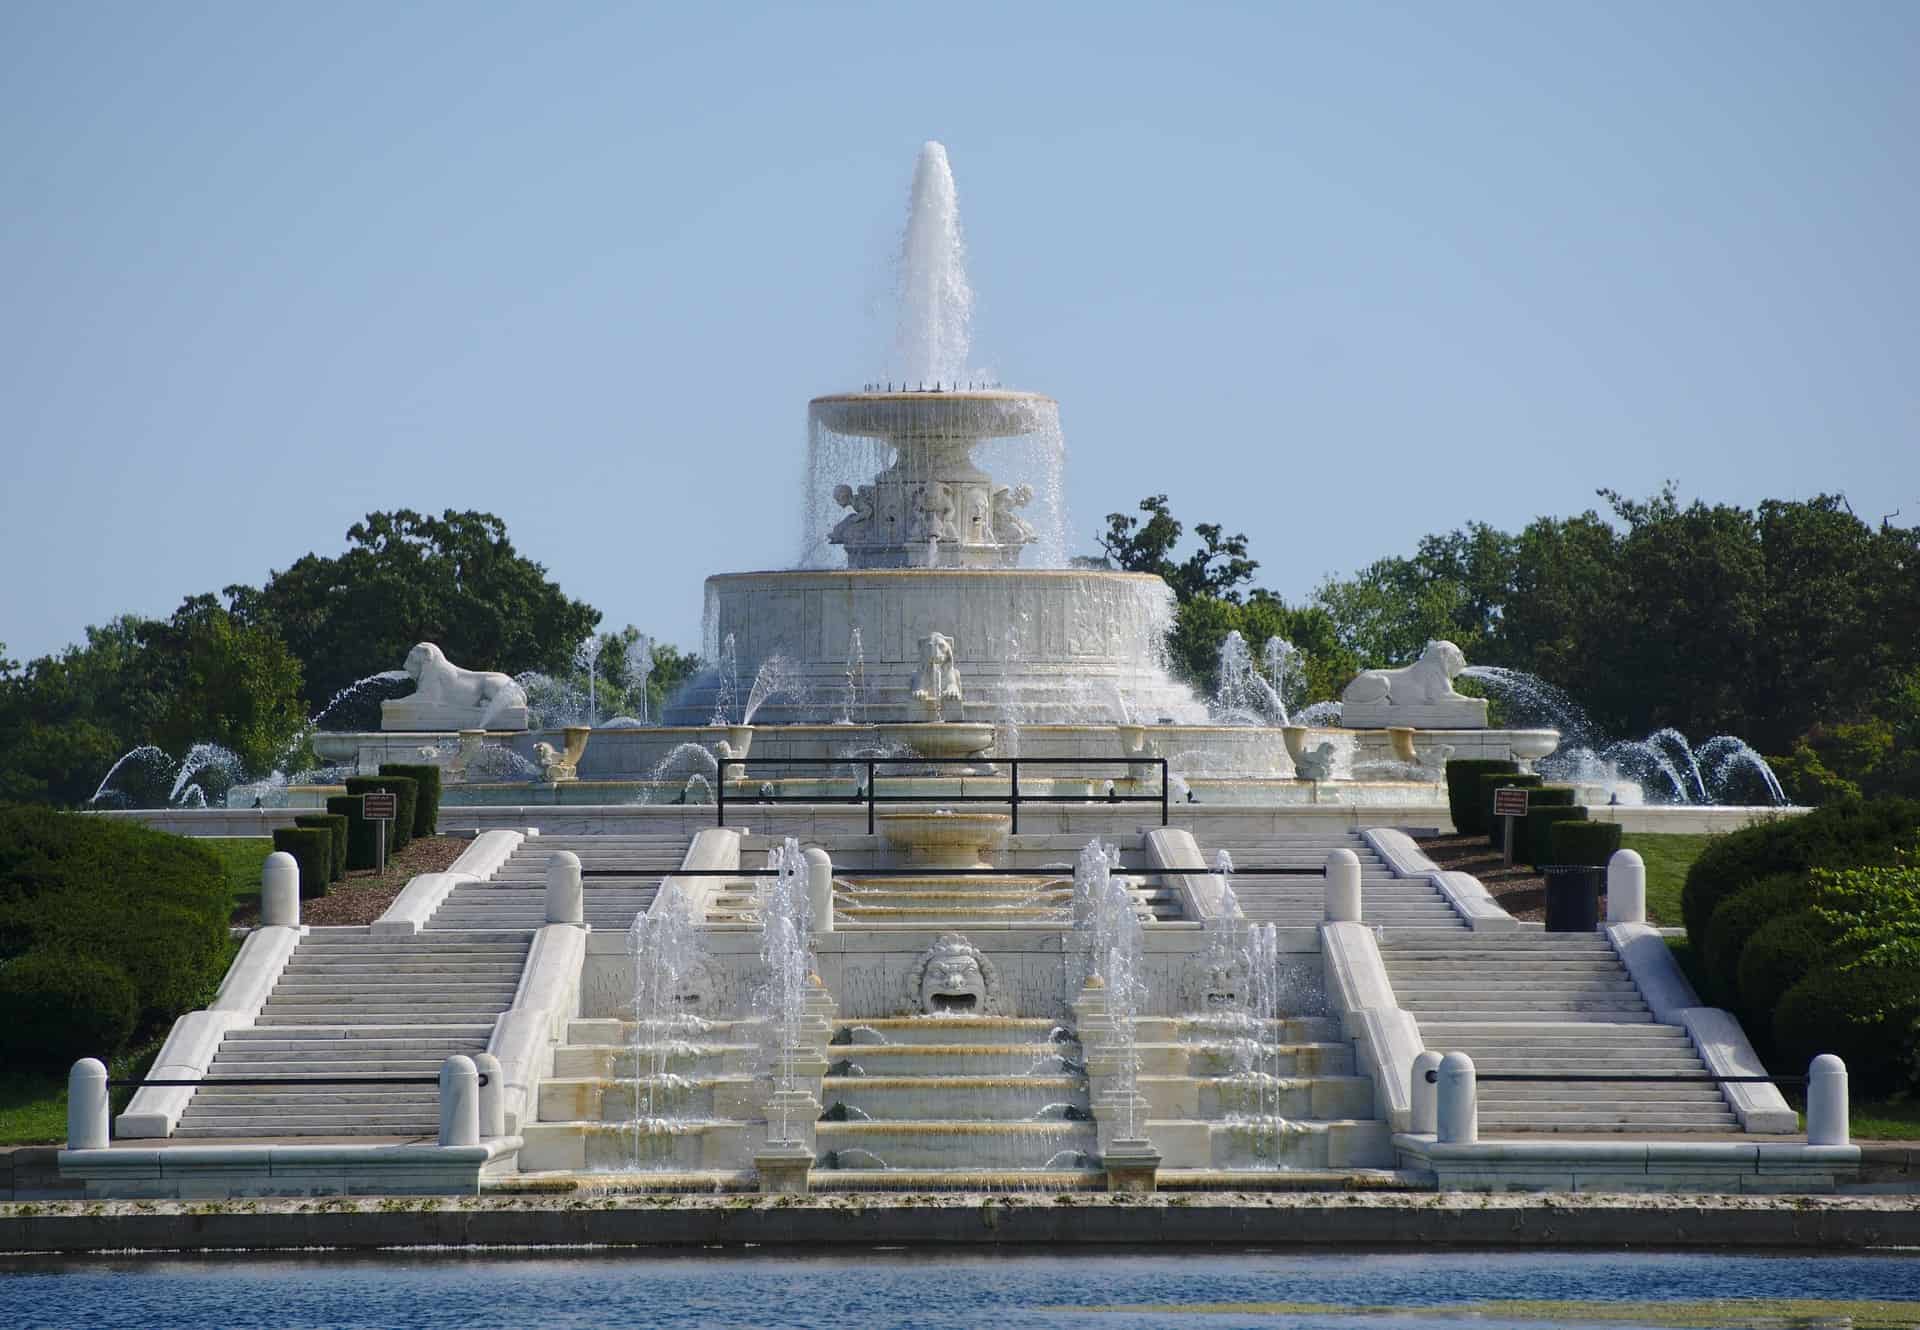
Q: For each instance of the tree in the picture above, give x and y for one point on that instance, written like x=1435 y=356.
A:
x=455 y=580
x=228 y=683
x=1216 y=569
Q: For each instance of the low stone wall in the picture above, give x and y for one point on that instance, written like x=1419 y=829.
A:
x=1315 y=1219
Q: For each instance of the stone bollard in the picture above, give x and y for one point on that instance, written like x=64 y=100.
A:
x=820 y=887
x=280 y=891
x=1626 y=888
x=1425 y=1094
x=1827 y=1101
x=493 y=1097
x=566 y=903
x=1343 y=887
x=1457 y=1112
x=87 y=1105
x=459 y=1101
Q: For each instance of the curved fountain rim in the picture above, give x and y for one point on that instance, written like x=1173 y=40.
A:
x=933 y=395
x=926 y=573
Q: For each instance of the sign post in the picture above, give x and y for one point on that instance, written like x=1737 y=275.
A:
x=1509 y=802
x=380 y=808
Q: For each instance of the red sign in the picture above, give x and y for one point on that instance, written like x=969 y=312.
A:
x=1510 y=802
x=382 y=807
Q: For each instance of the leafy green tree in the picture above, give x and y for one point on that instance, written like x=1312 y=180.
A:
x=1218 y=568
x=229 y=683
x=455 y=580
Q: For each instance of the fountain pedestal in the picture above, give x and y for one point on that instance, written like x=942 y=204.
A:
x=1132 y=1166
x=785 y=1168
x=945 y=840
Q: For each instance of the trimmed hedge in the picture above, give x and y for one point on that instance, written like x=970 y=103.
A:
x=1738 y=918
x=1584 y=842
x=151 y=907
x=60 y=1007
x=1868 y=1015
x=1840 y=835
x=361 y=846
x=1497 y=826
x=1781 y=952
x=426 y=778
x=312 y=849
x=1463 y=791
x=1552 y=796
x=335 y=825
x=1536 y=833
x=406 y=789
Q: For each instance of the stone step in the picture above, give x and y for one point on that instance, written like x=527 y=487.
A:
x=919 y=1031
x=344 y=1124
x=978 y=1059
x=1560 y=1015
x=964 y=1145
x=235 y=1100
x=372 y=1065
x=1548 y=1093
x=370 y=1017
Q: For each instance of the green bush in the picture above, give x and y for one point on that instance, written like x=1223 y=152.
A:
x=426 y=777
x=335 y=825
x=1868 y=1015
x=152 y=906
x=406 y=789
x=312 y=849
x=1536 y=833
x=60 y=1007
x=1781 y=952
x=1840 y=835
x=1552 y=796
x=1497 y=826
x=361 y=847
x=1584 y=842
x=1738 y=918
x=1463 y=791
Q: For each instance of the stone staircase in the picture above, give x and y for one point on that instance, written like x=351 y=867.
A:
x=516 y=895
x=1299 y=902
x=1551 y=1004
x=349 y=1004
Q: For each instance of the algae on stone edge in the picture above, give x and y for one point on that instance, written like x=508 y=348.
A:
x=1719 y=1314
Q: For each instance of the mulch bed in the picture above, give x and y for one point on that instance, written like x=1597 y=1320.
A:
x=1521 y=891
x=364 y=895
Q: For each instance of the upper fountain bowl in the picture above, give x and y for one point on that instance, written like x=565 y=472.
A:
x=984 y=413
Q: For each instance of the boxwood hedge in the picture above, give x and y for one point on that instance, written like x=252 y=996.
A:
x=1463 y=791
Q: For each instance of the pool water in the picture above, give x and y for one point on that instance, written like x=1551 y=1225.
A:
x=920 y=1287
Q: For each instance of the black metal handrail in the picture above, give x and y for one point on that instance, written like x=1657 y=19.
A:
x=162 y=1082
x=869 y=796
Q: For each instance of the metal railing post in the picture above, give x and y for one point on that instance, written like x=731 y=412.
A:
x=720 y=793
x=1163 y=791
x=1013 y=765
x=870 y=782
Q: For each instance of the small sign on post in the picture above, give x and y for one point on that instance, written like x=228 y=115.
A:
x=380 y=808
x=1510 y=802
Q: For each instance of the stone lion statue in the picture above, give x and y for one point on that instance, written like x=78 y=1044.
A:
x=1427 y=680
x=487 y=693
x=937 y=681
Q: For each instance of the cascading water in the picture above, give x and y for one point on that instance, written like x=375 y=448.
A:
x=1242 y=697
x=727 y=669
x=786 y=923
x=852 y=712
x=1286 y=674
x=932 y=337
x=1108 y=937
x=776 y=677
x=665 y=946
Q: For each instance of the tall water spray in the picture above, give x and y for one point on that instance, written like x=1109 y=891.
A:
x=786 y=922
x=664 y=943
x=930 y=342
x=1108 y=934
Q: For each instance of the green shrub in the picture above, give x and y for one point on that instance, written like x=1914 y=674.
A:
x=1584 y=842
x=312 y=849
x=60 y=1007
x=1781 y=952
x=1868 y=1015
x=1463 y=791
x=1536 y=833
x=426 y=808
x=1552 y=796
x=1840 y=835
x=1738 y=918
x=400 y=830
x=361 y=846
x=1497 y=826
x=335 y=825
x=152 y=906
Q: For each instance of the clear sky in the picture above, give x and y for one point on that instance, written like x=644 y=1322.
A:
x=1335 y=275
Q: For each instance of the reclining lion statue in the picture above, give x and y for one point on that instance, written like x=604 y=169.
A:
x=1427 y=680
x=486 y=695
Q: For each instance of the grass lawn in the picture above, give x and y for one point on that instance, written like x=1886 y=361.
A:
x=1668 y=858
x=33 y=1100
x=242 y=858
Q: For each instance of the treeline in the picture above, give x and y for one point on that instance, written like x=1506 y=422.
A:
x=250 y=668
x=1794 y=625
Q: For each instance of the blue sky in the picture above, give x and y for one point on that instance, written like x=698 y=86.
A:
x=1334 y=275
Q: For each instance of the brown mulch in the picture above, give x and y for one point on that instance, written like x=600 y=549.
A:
x=364 y=895
x=1521 y=891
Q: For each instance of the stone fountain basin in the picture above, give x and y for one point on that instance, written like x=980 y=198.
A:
x=945 y=840
x=940 y=740
x=985 y=414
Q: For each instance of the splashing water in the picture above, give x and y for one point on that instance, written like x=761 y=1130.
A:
x=778 y=676
x=664 y=943
x=786 y=922
x=1286 y=674
x=851 y=705
x=1108 y=937
x=727 y=696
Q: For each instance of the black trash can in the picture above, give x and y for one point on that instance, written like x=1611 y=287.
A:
x=1573 y=897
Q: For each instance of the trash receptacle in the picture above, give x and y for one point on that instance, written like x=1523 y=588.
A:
x=1573 y=897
